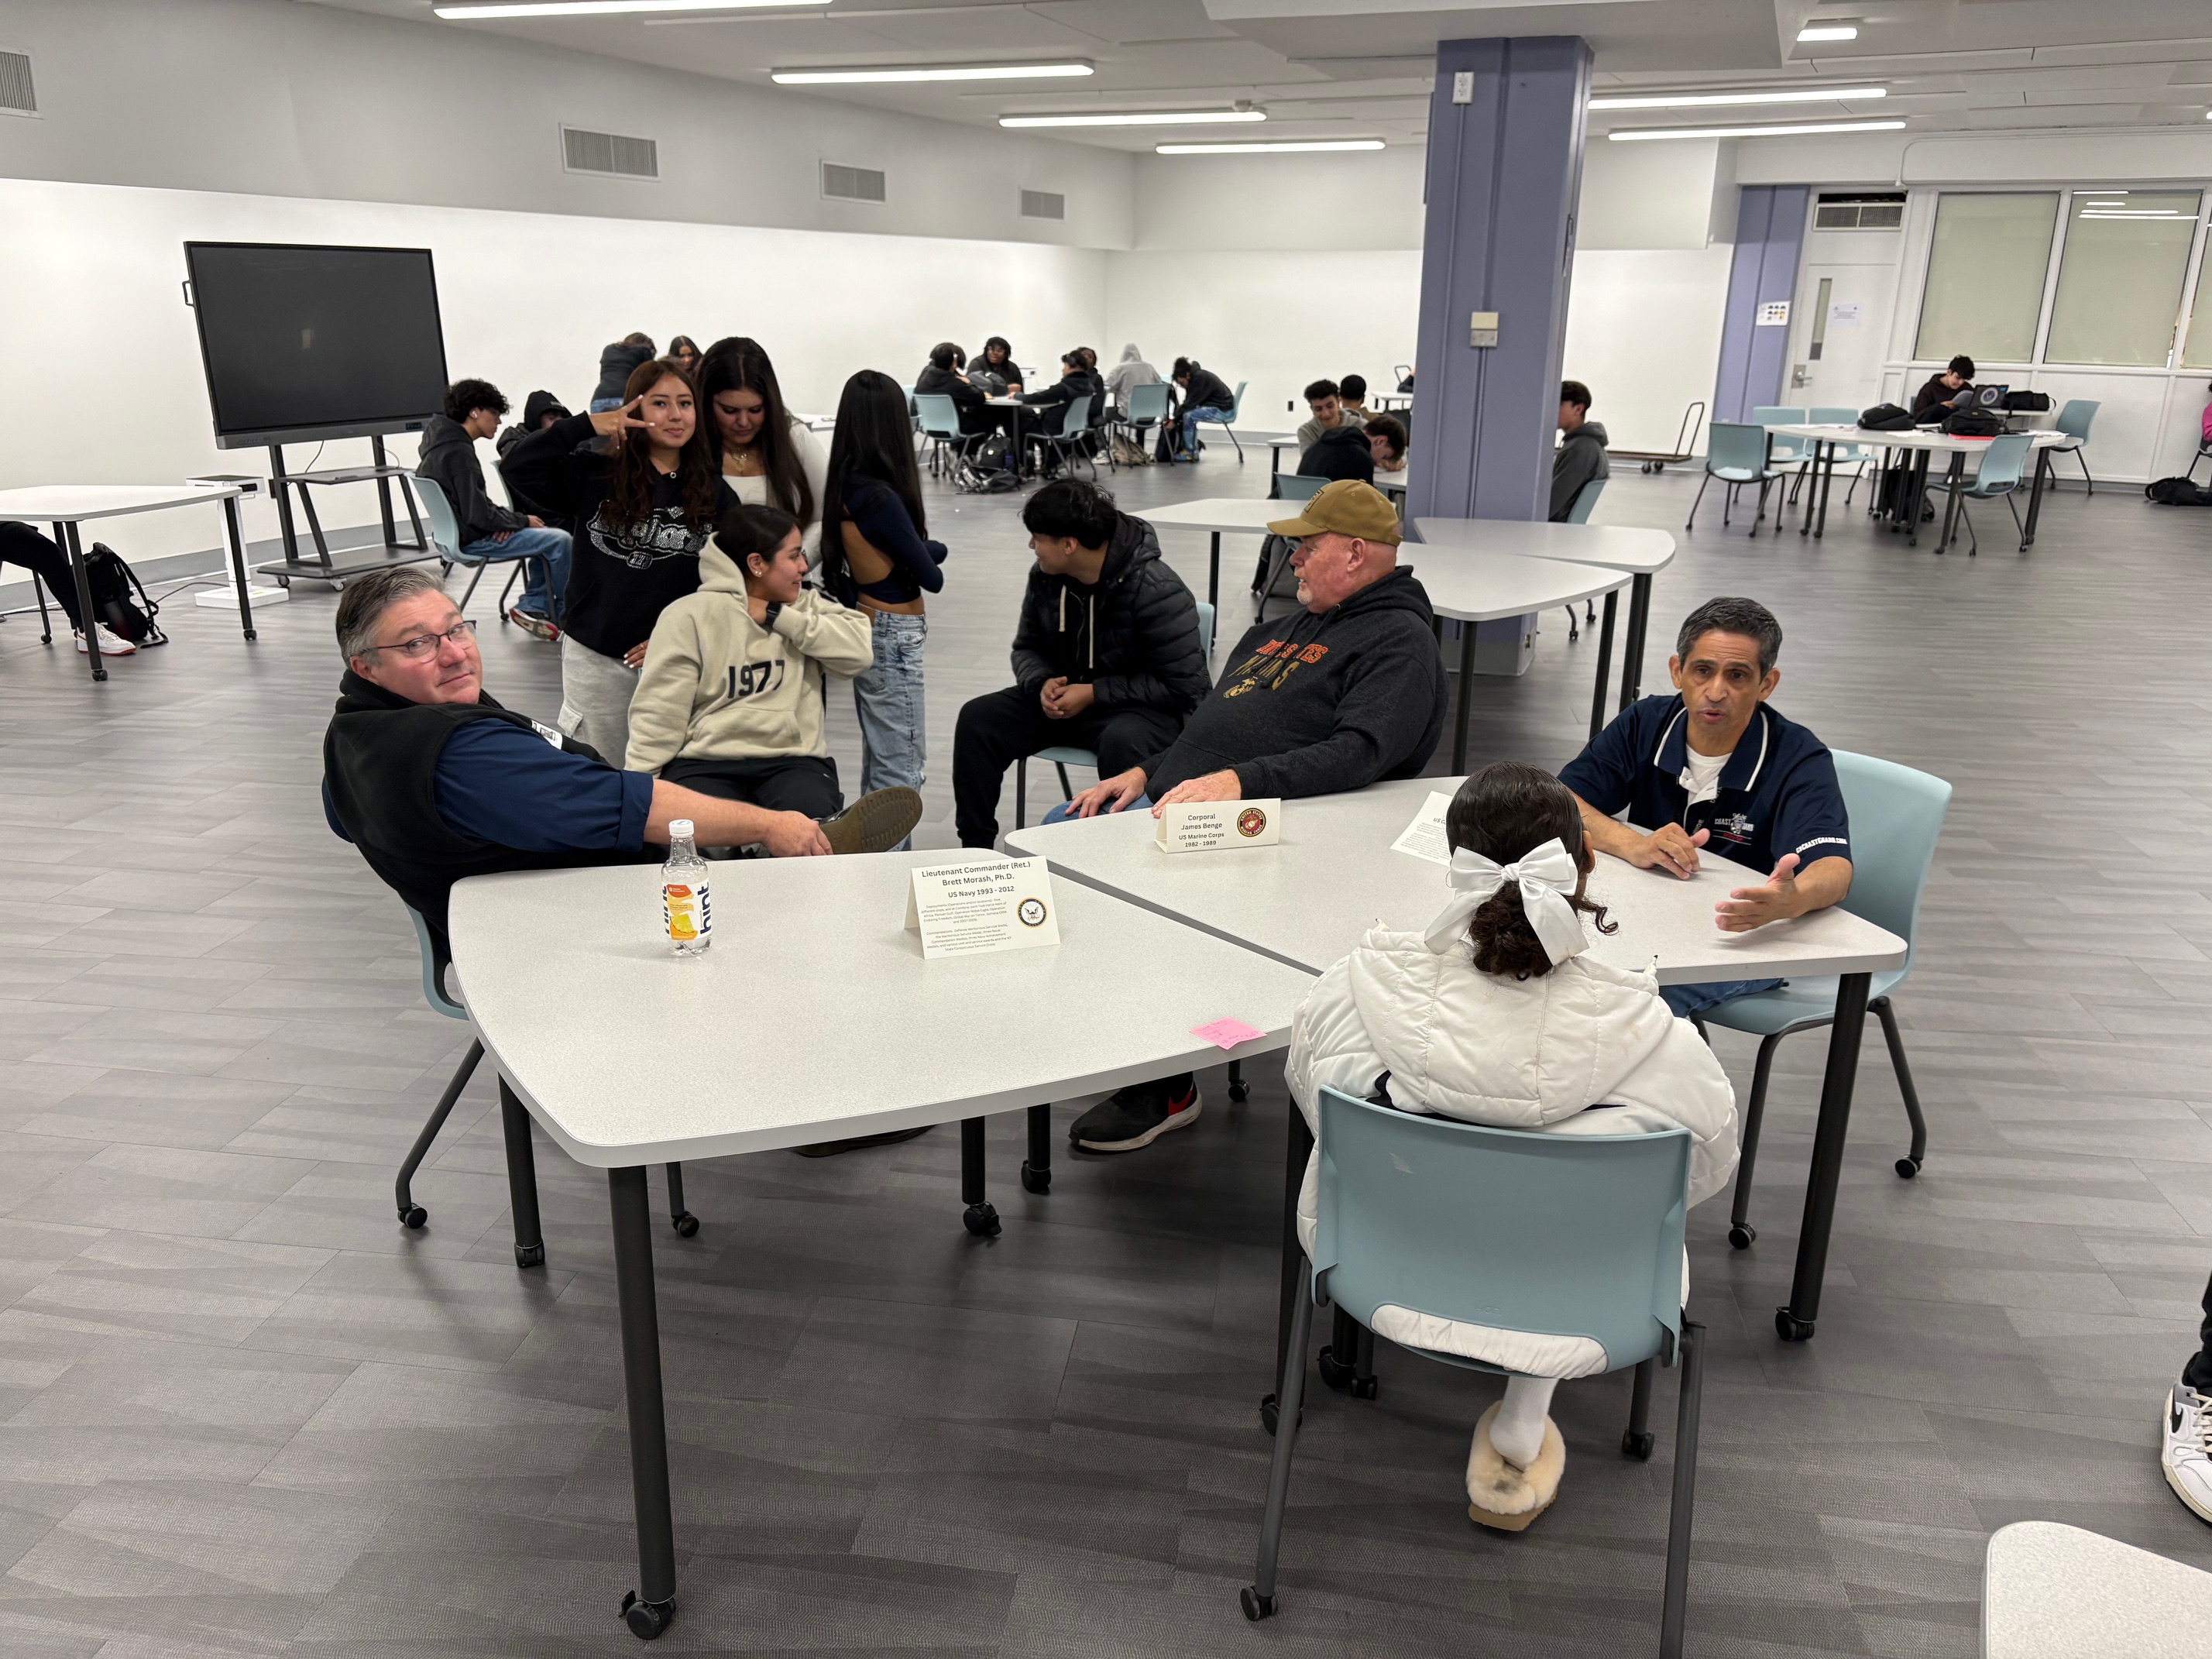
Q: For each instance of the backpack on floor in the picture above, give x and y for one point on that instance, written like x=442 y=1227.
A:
x=2177 y=492
x=113 y=583
x=1886 y=417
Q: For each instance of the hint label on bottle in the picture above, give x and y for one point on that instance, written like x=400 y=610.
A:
x=684 y=908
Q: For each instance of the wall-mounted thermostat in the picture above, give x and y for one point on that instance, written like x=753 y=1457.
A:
x=1482 y=329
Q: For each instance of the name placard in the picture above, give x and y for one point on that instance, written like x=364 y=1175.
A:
x=1210 y=826
x=971 y=909
x=1425 y=836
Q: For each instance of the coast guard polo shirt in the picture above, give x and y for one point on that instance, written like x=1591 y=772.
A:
x=1778 y=792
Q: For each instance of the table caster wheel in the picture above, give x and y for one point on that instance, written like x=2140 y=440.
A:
x=1333 y=1373
x=413 y=1217
x=1638 y=1446
x=282 y=580
x=1240 y=1090
x=530 y=1256
x=1036 y=1180
x=1742 y=1234
x=1907 y=1168
x=1256 y=1606
x=1365 y=1387
x=981 y=1220
x=1789 y=1327
x=686 y=1226
x=647 y=1619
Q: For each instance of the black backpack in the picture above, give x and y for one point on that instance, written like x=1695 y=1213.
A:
x=113 y=583
x=1973 y=424
x=2028 y=402
x=1886 y=418
x=2177 y=492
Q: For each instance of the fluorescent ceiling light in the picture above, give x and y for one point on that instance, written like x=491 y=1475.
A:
x=1829 y=32
x=1632 y=133
x=2140 y=213
x=1698 y=99
x=1186 y=117
x=830 y=77
x=1283 y=147
x=606 y=8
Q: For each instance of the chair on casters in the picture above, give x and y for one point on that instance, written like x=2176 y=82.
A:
x=2003 y=469
x=445 y=538
x=1579 y=512
x=1735 y=454
x=2075 y=420
x=1896 y=815
x=413 y=1215
x=1566 y=1236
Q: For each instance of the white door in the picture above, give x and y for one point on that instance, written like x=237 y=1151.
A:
x=1840 y=325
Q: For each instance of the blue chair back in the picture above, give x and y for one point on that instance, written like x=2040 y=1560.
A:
x=1205 y=631
x=1578 y=511
x=1732 y=447
x=1148 y=404
x=1560 y=1235
x=445 y=528
x=1236 y=403
x=1784 y=449
x=2075 y=418
x=434 y=989
x=1296 y=487
x=2003 y=463
x=1896 y=814
x=1831 y=415
x=941 y=416
x=1078 y=415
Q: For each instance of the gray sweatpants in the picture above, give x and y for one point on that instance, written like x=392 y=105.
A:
x=595 y=693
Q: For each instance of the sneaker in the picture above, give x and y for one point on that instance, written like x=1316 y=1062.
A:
x=111 y=644
x=2187 y=1453
x=1134 y=1117
x=531 y=623
x=876 y=823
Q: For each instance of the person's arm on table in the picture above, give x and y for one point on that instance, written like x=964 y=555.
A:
x=1669 y=848
x=1109 y=794
x=1788 y=892
x=1385 y=707
x=1809 y=819
x=1603 y=779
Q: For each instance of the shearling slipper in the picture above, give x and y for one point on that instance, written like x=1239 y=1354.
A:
x=1504 y=1496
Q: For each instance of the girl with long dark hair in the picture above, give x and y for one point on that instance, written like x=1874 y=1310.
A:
x=640 y=507
x=877 y=554
x=769 y=458
x=683 y=352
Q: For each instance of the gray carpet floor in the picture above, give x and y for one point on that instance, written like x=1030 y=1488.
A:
x=243 y=1413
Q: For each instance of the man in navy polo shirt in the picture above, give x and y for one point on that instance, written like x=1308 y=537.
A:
x=1714 y=766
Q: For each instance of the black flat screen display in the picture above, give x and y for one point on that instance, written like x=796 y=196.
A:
x=302 y=342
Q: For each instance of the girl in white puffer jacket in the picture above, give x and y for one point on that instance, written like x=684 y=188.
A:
x=1494 y=1016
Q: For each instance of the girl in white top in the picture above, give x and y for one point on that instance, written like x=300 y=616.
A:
x=769 y=458
x=1495 y=1016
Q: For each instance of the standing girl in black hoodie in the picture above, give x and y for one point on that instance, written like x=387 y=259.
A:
x=640 y=508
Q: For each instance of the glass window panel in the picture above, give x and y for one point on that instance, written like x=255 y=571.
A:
x=2120 y=278
x=2199 y=353
x=1985 y=275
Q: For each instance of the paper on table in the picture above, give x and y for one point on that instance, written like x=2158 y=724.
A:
x=967 y=909
x=1227 y=1033
x=1425 y=836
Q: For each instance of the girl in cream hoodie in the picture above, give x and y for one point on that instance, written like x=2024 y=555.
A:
x=1494 y=1016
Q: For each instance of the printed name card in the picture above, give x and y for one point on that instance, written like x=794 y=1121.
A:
x=971 y=909
x=1208 y=826
x=1425 y=836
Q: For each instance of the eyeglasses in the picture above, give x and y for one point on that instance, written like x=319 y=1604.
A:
x=424 y=646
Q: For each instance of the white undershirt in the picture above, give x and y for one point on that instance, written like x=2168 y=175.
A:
x=1701 y=773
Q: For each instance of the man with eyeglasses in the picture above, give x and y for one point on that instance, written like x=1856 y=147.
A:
x=435 y=782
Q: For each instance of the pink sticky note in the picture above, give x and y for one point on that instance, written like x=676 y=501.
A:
x=1227 y=1033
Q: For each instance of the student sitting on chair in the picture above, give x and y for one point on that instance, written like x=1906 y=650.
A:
x=730 y=701
x=1205 y=397
x=994 y=369
x=1494 y=1015
x=20 y=544
x=1106 y=653
x=1943 y=393
x=1386 y=440
x=1342 y=452
x=1581 y=455
x=1325 y=398
x=1714 y=766
x=448 y=460
x=1125 y=376
x=1053 y=402
x=1352 y=390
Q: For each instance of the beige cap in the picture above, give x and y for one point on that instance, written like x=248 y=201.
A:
x=1350 y=508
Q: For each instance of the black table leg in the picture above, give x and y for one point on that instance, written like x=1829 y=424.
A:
x=1794 y=1321
x=1827 y=482
x=1916 y=492
x=1213 y=575
x=1810 y=481
x=1954 y=479
x=1298 y=1148
x=980 y=1218
x=234 y=532
x=1632 y=649
x=73 y=545
x=521 y=1179
x=1604 y=664
x=2035 y=498
x=1036 y=1170
x=1465 y=694
x=649 y=1609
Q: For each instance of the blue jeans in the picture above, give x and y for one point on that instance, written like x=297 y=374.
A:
x=530 y=546
x=1191 y=418
x=601 y=405
x=1064 y=809
x=1689 y=999
x=887 y=697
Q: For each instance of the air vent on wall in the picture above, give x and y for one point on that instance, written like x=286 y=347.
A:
x=609 y=153
x=1882 y=211
x=1043 y=204
x=852 y=184
x=17 y=96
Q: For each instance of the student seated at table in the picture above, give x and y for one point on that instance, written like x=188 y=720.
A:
x=1106 y=653
x=1348 y=690
x=1352 y=390
x=1203 y=396
x=433 y=782
x=1052 y=403
x=994 y=369
x=1386 y=441
x=448 y=460
x=1325 y=398
x=1125 y=376
x=945 y=375
x=1714 y=766
x=22 y=545
x=1495 y=1014
x=1943 y=393
x=1342 y=452
x=1581 y=455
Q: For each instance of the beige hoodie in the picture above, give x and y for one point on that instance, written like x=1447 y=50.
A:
x=717 y=685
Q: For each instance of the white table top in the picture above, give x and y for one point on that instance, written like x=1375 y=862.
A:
x=74 y=503
x=814 y=1016
x=2057 y=1592
x=1613 y=546
x=1238 y=513
x=1912 y=440
x=1308 y=899
x=1470 y=586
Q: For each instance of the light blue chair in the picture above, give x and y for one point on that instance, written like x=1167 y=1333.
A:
x=2003 y=469
x=411 y=1214
x=1274 y=550
x=445 y=541
x=1579 y=512
x=1068 y=444
x=1148 y=407
x=1896 y=815
x=1785 y=452
x=2075 y=420
x=1736 y=453
x=1855 y=456
x=937 y=419
x=1560 y=1235
x=1064 y=755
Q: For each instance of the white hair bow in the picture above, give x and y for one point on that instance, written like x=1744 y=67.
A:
x=1545 y=876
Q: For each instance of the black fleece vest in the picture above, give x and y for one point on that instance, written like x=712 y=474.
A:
x=380 y=766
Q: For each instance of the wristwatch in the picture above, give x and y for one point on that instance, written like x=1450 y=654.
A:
x=768 y=620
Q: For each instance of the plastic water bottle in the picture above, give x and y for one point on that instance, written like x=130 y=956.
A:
x=684 y=910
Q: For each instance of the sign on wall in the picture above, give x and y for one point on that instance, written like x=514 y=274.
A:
x=1774 y=314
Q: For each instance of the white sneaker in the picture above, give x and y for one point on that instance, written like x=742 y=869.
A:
x=110 y=645
x=2188 y=1454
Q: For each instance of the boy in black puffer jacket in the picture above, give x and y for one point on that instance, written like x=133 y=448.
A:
x=1106 y=655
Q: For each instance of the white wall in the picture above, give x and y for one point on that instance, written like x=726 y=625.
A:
x=1643 y=333
x=1344 y=200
